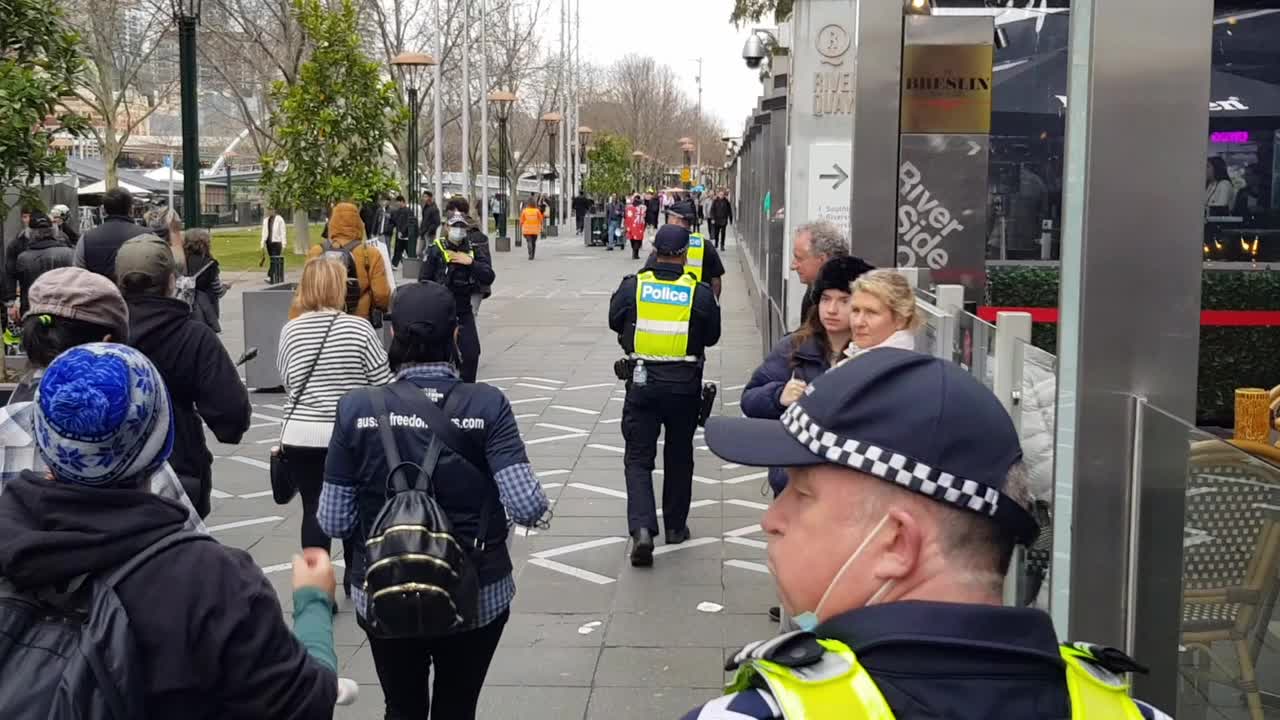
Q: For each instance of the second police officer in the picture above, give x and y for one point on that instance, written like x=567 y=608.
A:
x=701 y=260
x=665 y=319
x=461 y=263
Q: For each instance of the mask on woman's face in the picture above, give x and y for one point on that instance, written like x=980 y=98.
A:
x=457 y=234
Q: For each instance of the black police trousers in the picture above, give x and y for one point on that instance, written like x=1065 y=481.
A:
x=468 y=356
x=648 y=409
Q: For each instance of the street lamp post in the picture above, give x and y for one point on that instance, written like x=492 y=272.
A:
x=410 y=64
x=187 y=14
x=552 y=122
x=636 y=158
x=584 y=137
x=502 y=101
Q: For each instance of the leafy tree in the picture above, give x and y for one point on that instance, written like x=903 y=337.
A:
x=39 y=64
x=748 y=11
x=333 y=124
x=609 y=166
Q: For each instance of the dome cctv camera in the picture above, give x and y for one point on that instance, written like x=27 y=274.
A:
x=754 y=51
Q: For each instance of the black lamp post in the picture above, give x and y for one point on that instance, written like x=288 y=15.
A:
x=584 y=137
x=636 y=158
x=410 y=64
x=686 y=145
x=502 y=101
x=187 y=14
x=552 y=121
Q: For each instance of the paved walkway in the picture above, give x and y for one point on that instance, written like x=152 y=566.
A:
x=589 y=636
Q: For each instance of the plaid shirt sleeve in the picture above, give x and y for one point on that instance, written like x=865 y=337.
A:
x=337 y=510
x=520 y=492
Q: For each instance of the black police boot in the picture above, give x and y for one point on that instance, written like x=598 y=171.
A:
x=642 y=548
x=675 y=537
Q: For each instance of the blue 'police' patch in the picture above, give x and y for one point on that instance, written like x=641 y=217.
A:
x=666 y=294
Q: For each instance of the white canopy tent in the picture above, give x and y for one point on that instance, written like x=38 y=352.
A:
x=101 y=186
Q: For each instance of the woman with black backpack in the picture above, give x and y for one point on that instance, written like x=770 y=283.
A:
x=421 y=477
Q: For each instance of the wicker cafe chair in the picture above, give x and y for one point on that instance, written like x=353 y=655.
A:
x=1231 y=550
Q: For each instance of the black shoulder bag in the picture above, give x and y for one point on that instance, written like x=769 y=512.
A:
x=283 y=484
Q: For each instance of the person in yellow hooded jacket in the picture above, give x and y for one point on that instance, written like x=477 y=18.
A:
x=367 y=286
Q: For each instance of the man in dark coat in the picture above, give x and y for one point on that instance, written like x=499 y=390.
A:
x=42 y=250
x=97 y=248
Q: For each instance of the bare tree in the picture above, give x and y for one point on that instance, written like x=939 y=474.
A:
x=124 y=42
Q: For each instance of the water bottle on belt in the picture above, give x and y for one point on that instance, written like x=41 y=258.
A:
x=639 y=376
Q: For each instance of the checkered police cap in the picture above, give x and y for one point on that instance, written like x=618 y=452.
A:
x=911 y=419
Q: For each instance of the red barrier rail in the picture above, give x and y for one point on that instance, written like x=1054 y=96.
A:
x=1213 y=318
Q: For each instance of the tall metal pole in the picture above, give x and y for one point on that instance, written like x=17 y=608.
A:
x=484 y=114
x=697 y=129
x=502 y=168
x=437 y=137
x=190 y=121
x=564 y=107
x=466 y=103
x=577 y=93
x=413 y=151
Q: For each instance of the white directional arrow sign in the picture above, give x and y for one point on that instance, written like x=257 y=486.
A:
x=828 y=198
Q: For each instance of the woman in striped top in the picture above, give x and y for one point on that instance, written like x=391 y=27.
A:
x=323 y=354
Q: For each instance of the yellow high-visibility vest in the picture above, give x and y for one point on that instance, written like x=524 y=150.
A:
x=693 y=260
x=663 y=311
x=839 y=687
x=445 y=253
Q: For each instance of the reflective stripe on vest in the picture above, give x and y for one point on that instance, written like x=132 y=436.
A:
x=440 y=244
x=663 y=311
x=839 y=687
x=693 y=260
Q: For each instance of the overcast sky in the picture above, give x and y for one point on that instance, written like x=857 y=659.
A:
x=675 y=32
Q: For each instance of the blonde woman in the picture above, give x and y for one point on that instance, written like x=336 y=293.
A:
x=882 y=313
x=324 y=353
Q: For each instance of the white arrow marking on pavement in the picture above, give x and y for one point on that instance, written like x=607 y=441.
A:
x=522 y=416
x=571 y=570
x=565 y=428
x=748 y=504
x=585 y=545
x=748 y=565
x=254 y=462
x=597 y=292
x=252 y=496
x=529 y=400
x=245 y=523
x=748 y=530
x=219 y=495
x=732 y=403
x=610 y=448
x=277 y=408
x=571 y=408
x=758 y=544
x=589 y=387
x=610 y=422
x=255 y=426
x=551 y=486
x=543 y=388
x=747 y=478
x=696 y=542
x=735 y=387
x=730 y=466
x=544 y=380
x=501 y=379
x=618 y=399
x=269 y=418
x=549 y=473
x=974 y=148
x=602 y=490
x=554 y=438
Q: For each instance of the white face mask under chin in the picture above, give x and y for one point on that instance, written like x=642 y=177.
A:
x=808 y=620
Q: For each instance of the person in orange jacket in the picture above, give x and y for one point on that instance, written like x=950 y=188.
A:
x=531 y=224
x=367 y=286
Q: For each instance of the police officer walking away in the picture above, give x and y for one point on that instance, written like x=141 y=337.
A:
x=890 y=544
x=702 y=259
x=462 y=264
x=665 y=319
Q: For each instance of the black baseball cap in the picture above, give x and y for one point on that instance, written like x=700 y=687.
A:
x=671 y=240
x=683 y=209
x=423 y=311
x=907 y=418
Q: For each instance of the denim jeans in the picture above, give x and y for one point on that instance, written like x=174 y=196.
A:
x=615 y=238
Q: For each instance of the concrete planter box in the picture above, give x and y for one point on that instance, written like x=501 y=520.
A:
x=409 y=269
x=265 y=313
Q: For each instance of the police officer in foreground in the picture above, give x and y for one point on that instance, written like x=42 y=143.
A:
x=890 y=545
x=702 y=259
x=665 y=319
